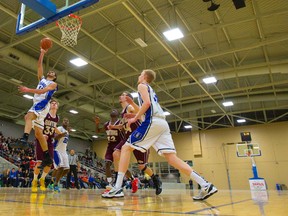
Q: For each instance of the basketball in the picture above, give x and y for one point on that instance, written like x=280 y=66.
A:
x=46 y=43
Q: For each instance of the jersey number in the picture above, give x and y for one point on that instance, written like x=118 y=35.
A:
x=49 y=130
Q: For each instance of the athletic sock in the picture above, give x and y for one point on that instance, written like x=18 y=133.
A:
x=119 y=180
x=44 y=174
x=35 y=176
x=199 y=179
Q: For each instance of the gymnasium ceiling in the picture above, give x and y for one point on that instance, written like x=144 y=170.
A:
x=245 y=49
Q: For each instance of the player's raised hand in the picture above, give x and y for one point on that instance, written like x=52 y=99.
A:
x=128 y=99
x=131 y=121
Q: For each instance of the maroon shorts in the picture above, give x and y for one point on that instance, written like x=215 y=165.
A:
x=39 y=152
x=119 y=145
x=109 y=152
x=142 y=158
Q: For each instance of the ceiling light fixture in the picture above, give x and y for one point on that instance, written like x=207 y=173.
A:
x=241 y=120
x=228 y=103
x=140 y=42
x=28 y=96
x=73 y=130
x=78 y=62
x=166 y=113
x=95 y=137
x=188 y=126
x=73 y=111
x=209 y=80
x=173 y=34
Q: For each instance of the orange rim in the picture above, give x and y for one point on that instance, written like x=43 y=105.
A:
x=74 y=17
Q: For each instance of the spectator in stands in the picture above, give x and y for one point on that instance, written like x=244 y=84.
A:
x=13 y=177
x=20 y=177
x=6 y=177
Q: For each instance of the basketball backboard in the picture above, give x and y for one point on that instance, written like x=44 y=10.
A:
x=248 y=150
x=47 y=12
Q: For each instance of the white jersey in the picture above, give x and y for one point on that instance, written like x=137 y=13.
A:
x=155 y=109
x=61 y=144
x=44 y=98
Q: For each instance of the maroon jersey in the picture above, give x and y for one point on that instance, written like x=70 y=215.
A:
x=50 y=123
x=133 y=126
x=114 y=136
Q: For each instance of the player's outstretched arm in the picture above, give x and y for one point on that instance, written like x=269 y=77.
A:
x=133 y=104
x=40 y=64
x=25 y=89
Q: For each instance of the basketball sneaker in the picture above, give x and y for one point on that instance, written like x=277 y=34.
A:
x=34 y=186
x=56 y=189
x=158 y=184
x=113 y=193
x=206 y=192
x=134 y=185
x=51 y=186
x=42 y=184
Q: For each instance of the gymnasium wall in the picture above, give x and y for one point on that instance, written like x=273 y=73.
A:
x=214 y=160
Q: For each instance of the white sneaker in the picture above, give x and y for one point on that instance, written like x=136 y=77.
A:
x=113 y=193
x=206 y=192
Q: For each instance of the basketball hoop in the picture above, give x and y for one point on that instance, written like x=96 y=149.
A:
x=249 y=153
x=70 y=27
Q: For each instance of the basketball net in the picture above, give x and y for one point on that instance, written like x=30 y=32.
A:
x=70 y=27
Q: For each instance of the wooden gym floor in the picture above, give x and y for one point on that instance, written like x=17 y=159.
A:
x=21 y=202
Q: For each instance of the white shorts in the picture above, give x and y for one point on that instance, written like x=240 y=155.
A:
x=61 y=160
x=156 y=134
x=41 y=113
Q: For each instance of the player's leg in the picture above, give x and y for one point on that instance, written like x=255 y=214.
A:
x=23 y=141
x=53 y=176
x=47 y=168
x=34 y=184
x=108 y=163
x=123 y=167
x=165 y=146
x=57 y=179
x=142 y=160
x=116 y=156
x=29 y=117
x=207 y=189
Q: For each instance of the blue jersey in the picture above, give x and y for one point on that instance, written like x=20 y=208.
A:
x=155 y=108
x=61 y=144
x=41 y=100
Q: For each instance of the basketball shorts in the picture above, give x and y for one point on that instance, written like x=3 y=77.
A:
x=61 y=160
x=156 y=134
x=39 y=152
x=41 y=112
x=109 y=152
